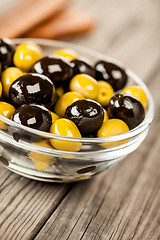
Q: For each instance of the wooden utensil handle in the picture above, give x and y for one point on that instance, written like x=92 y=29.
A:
x=27 y=15
x=67 y=22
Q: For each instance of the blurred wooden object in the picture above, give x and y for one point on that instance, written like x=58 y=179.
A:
x=69 y=21
x=27 y=15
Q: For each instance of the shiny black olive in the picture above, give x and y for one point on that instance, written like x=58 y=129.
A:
x=32 y=88
x=7 y=51
x=33 y=116
x=127 y=108
x=57 y=68
x=111 y=73
x=82 y=65
x=86 y=114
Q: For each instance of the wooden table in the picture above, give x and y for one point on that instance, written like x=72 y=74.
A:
x=124 y=201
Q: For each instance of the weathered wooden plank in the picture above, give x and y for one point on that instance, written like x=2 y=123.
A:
x=25 y=204
x=122 y=203
x=126 y=30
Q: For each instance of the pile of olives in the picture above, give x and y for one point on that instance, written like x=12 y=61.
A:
x=64 y=94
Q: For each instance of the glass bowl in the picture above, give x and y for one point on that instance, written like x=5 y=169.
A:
x=21 y=153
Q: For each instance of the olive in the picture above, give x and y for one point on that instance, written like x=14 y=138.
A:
x=67 y=53
x=33 y=116
x=9 y=75
x=87 y=114
x=127 y=108
x=81 y=65
x=32 y=88
x=65 y=127
x=0 y=89
x=66 y=100
x=7 y=111
x=137 y=92
x=60 y=91
x=106 y=92
x=112 y=127
x=7 y=51
x=86 y=85
x=41 y=160
x=54 y=116
x=57 y=68
x=106 y=117
x=26 y=55
x=111 y=73
x=30 y=45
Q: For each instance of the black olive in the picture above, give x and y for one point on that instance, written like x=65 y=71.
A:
x=7 y=51
x=33 y=116
x=111 y=73
x=127 y=108
x=82 y=65
x=32 y=88
x=86 y=114
x=57 y=68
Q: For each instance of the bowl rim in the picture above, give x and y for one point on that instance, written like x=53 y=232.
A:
x=132 y=133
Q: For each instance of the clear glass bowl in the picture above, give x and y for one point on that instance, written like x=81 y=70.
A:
x=17 y=146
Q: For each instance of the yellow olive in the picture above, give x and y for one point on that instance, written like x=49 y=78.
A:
x=41 y=160
x=30 y=45
x=7 y=111
x=8 y=77
x=0 y=89
x=112 y=127
x=24 y=58
x=85 y=85
x=105 y=93
x=60 y=91
x=106 y=117
x=137 y=92
x=70 y=54
x=54 y=116
x=65 y=127
x=66 y=100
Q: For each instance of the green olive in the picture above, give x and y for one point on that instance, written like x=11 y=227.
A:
x=9 y=75
x=6 y=110
x=106 y=117
x=0 y=89
x=105 y=93
x=68 y=53
x=54 y=116
x=65 y=127
x=60 y=91
x=30 y=45
x=41 y=160
x=85 y=85
x=66 y=100
x=112 y=127
x=137 y=92
x=26 y=56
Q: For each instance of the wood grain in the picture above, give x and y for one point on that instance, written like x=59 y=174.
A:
x=27 y=15
x=123 y=202
x=120 y=203
x=25 y=205
x=68 y=22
